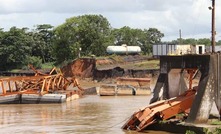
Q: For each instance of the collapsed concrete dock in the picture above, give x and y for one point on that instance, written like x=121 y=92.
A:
x=194 y=103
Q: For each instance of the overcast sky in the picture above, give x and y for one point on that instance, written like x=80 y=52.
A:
x=191 y=16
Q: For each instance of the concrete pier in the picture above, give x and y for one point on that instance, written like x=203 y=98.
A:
x=172 y=80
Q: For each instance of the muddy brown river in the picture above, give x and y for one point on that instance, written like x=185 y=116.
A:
x=91 y=114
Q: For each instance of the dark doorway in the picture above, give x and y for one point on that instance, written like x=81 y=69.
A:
x=200 y=50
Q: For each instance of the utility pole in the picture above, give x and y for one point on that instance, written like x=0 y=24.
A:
x=180 y=36
x=213 y=41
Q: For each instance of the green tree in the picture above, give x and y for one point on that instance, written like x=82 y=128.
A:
x=137 y=37
x=91 y=33
x=153 y=36
x=191 y=41
x=123 y=35
x=127 y=35
x=218 y=43
x=204 y=41
x=15 y=47
x=42 y=42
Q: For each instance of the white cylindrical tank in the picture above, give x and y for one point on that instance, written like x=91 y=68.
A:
x=124 y=49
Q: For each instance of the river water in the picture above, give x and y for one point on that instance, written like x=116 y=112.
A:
x=91 y=114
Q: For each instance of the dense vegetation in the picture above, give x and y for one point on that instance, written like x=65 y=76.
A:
x=86 y=35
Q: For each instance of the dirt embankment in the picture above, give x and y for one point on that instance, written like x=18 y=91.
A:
x=83 y=68
x=103 y=69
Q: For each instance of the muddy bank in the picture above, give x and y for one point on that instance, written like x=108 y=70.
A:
x=83 y=68
x=87 y=68
x=121 y=72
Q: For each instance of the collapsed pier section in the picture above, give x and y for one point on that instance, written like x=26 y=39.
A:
x=41 y=88
x=208 y=87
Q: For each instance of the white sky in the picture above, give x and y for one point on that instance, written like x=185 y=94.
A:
x=191 y=16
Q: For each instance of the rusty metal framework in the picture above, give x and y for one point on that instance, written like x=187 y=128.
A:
x=41 y=83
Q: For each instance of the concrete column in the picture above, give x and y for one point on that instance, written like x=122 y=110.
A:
x=162 y=78
x=202 y=104
x=217 y=91
x=183 y=86
x=174 y=80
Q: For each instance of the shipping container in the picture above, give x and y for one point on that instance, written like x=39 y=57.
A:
x=163 y=49
x=177 y=49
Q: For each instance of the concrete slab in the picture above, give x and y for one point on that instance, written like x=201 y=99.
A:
x=10 y=99
x=180 y=127
x=107 y=90
x=47 y=98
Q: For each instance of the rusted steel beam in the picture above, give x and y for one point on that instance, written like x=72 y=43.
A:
x=9 y=86
x=161 y=110
x=134 y=79
x=52 y=70
x=191 y=72
x=2 y=87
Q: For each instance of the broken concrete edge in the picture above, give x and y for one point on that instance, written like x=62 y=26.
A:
x=174 y=126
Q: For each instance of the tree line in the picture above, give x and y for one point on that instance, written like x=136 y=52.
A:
x=85 y=35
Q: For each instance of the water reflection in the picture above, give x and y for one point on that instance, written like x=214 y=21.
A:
x=88 y=115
